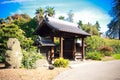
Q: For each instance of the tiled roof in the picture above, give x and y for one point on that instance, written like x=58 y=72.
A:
x=61 y=26
x=44 y=42
x=64 y=26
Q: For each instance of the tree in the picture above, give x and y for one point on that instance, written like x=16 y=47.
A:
x=25 y=16
x=80 y=23
x=114 y=25
x=61 y=17
x=9 y=18
x=2 y=20
x=113 y=31
x=92 y=29
x=70 y=16
x=97 y=25
x=50 y=11
x=39 y=14
x=16 y=16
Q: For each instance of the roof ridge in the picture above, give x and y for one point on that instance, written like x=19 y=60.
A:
x=47 y=18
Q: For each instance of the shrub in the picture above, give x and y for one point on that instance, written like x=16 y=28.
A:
x=2 y=58
x=61 y=62
x=116 y=48
x=115 y=44
x=94 y=55
x=116 y=56
x=29 y=59
x=106 y=50
x=93 y=43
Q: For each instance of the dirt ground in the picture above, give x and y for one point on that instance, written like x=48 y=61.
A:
x=42 y=73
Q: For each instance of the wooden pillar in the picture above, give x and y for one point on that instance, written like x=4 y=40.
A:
x=52 y=50
x=61 y=47
x=83 y=49
x=74 y=48
x=52 y=54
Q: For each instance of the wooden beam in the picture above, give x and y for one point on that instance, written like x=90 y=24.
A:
x=83 y=49
x=61 y=47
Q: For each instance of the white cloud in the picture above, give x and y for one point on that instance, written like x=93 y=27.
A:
x=91 y=15
x=86 y=12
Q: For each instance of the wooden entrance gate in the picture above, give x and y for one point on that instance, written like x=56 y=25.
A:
x=68 y=48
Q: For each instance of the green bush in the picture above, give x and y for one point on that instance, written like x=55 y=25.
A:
x=29 y=59
x=61 y=62
x=115 y=44
x=2 y=58
x=94 y=55
x=93 y=43
x=116 y=48
x=107 y=53
x=116 y=56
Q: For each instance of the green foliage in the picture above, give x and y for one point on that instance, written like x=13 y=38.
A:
x=13 y=31
x=2 y=58
x=29 y=58
x=50 y=11
x=61 y=17
x=94 y=55
x=115 y=44
x=80 y=23
x=61 y=62
x=92 y=29
x=20 y=27
x=93 y=43
x=116 y=48
x=9 y=31
x=2 y=20
x=106 y=53
x=97 y=25
x=114 y=25
x=28 y=26
x=106 y=50
x=116 y=56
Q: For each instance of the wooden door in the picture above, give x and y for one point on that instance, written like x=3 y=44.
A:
x=68 y=48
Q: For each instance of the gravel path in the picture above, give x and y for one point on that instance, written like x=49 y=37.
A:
x=109 y=70
x=29 y=74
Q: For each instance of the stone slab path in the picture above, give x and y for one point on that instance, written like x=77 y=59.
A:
x=97 y=70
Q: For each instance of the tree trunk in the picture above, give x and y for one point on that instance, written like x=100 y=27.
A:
x=119 y=30
x=119 y=25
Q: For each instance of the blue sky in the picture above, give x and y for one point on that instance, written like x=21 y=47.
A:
x=85 y=10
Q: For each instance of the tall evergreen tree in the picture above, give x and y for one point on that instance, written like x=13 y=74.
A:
x=114 y=25
x=80 y=23
x=97 y=25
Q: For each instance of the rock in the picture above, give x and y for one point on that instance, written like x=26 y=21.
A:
x=13 y=54
x=51 y=67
